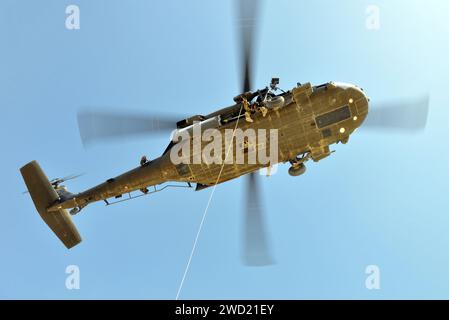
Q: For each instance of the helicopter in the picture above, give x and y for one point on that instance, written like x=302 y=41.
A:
x=308 y=119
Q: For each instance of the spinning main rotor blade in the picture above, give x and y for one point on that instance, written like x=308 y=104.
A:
x=256 y=247
x=407 y=116
x=247 y=15
x=99 y=125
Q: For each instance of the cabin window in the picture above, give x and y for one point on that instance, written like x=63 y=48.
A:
x=333 y=117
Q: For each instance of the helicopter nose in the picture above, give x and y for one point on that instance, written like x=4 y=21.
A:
x=358 y=102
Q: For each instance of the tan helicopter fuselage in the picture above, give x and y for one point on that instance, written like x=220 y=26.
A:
x=307 y=123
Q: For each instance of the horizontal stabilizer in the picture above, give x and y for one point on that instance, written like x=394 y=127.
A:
x=43 y=195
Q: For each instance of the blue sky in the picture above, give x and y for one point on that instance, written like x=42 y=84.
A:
x=379 y=200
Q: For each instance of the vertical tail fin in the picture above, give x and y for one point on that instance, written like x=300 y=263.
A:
x=43 y=195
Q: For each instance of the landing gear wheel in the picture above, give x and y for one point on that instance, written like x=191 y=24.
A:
x=297 y=170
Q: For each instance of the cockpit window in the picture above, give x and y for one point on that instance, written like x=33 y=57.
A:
x=332 y=117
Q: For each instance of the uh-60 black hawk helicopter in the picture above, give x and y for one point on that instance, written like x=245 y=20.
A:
x=308 y=118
